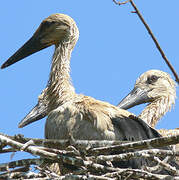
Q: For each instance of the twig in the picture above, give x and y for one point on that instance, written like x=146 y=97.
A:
x=23 y=175
x=62 y=144
x=137 y=154
x=168 y=167
x=155 y=41
x=149 y=154
x=153 y=37
x=27 y=144
x=19 y=163
x=144 y=144
x=120 y=3
x=48 y=172
x=157 y=168
x=18 y=170
x=57 y=157
x=84 y=177
x=137 y=173
x=102 y=147
x=90 y=165
x=8 y=150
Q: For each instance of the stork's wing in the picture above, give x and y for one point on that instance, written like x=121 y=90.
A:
x=134 y=129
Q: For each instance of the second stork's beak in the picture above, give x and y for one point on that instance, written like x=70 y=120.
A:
x=135 y=97
x=37 y=113
x=34 y=44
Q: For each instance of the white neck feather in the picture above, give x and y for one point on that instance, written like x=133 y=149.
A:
x=60 y=88
x=156 y=109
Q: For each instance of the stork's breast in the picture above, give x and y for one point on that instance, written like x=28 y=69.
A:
x=64 y=122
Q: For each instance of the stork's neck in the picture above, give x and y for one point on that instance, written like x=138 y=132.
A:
x=156 y=109
x=60 y=88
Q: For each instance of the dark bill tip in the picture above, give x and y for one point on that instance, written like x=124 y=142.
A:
x=37 y=113
x=4 y=65
x=32 y=46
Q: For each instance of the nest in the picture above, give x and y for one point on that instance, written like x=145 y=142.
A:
x=91 y=159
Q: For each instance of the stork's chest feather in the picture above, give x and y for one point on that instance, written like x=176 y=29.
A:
x=70 y=119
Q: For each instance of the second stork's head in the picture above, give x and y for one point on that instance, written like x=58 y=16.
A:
x=53 y=30
x=153 y=85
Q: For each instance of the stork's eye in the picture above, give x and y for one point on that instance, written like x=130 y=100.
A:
x=152 y=79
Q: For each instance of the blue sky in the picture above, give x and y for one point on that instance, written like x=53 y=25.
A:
x=113 y=50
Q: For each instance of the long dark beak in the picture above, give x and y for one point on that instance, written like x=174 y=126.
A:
x=37 y=113
x=34 y=44
x=135 y=97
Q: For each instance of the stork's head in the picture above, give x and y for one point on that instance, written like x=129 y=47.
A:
x=53 y=30
x=150 y=86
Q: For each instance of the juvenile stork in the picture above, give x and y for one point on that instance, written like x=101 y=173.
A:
x=156 y=88
x=163 y=100
x=71 y=114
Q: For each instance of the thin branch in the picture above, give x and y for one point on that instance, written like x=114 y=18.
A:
x=149 y=154
x=47 y=172
x=155 y=41
x=104 y=147
x=153 y=37
x=62 y=144
x=120 y=3
x=137 y=173
x=23 y=175
x=21 y=169
x=137 y=154
x=91 y=167
x=84 y=177
x=19 y=163
x=144 y=144
x=7 y=150
x=166 y=166
x=58 y=157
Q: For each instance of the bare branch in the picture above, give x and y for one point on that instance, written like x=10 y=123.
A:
x=85 y=177
x=102 y=147
x=120 y=3
x=153 y=37
x=22 y=175
x=91 y=167
x=149 y=154
x=144 y=144
x=137 y=173
x=19 y=163
x=62 y=144
x=57 y=157
x=155 y=41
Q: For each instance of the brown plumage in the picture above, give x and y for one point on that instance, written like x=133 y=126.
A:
x=71 y=114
